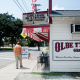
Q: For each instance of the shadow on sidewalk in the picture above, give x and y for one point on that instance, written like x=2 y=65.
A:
x=24 y=68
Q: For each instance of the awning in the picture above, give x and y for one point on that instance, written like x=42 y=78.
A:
x=37 y=32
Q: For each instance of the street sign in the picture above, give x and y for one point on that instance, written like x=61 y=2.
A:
x=23 y=39
x=24 y=36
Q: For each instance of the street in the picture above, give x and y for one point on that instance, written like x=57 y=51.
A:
x=7 y=56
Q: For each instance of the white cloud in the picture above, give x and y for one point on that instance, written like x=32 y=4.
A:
x=57 y=8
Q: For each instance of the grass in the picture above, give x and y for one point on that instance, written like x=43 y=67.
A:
x=6 y=48
x=47 y=48
x=74 y=74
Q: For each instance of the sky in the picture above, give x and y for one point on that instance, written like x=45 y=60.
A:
x=12 y=9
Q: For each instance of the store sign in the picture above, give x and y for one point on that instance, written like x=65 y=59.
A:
x=66 y=50
x=34 y=18
x=37 y=30
x=25 y=52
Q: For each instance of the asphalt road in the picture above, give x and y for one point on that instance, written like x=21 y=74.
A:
x=7 y=56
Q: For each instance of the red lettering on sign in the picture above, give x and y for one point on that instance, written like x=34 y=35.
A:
x=62 y=46
x=76 y=44
x=71 y=45
x=67 y=45
x=79 y=44
x=57 y=46
x=76 y=50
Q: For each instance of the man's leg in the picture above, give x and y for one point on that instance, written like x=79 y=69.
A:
x=20 y=59
x=16 y=57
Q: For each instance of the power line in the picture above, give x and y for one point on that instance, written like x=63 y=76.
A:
x=26 y=5
x=18 y=6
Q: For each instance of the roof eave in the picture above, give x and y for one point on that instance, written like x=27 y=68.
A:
x=62 y=16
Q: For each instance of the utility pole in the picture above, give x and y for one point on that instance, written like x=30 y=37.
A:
x=36 y=7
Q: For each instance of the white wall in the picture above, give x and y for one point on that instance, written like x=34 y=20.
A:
x=61 y=30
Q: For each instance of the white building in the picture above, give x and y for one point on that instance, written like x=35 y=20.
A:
x=65 y=41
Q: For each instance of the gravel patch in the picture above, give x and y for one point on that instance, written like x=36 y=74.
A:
x=27 y=76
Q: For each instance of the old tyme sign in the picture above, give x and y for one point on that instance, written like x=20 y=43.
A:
x=36 y=18
x=66 y=50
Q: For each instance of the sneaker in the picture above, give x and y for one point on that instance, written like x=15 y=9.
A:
x=21 y=66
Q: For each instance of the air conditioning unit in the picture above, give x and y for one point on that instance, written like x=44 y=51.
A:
x=75 y=28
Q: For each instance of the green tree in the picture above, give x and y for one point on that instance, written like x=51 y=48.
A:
x=10 y=27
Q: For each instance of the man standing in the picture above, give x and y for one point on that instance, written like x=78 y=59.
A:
x=18 y=54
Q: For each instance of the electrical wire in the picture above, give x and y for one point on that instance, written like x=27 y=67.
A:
x=18 y=6
x=26 y=5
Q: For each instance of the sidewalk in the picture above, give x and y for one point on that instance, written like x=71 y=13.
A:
x=10 y=72
x=29 y=65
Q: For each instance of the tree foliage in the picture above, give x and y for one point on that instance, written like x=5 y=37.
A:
x=10 y=27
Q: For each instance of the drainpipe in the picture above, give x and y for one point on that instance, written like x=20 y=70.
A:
x=50 y=11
